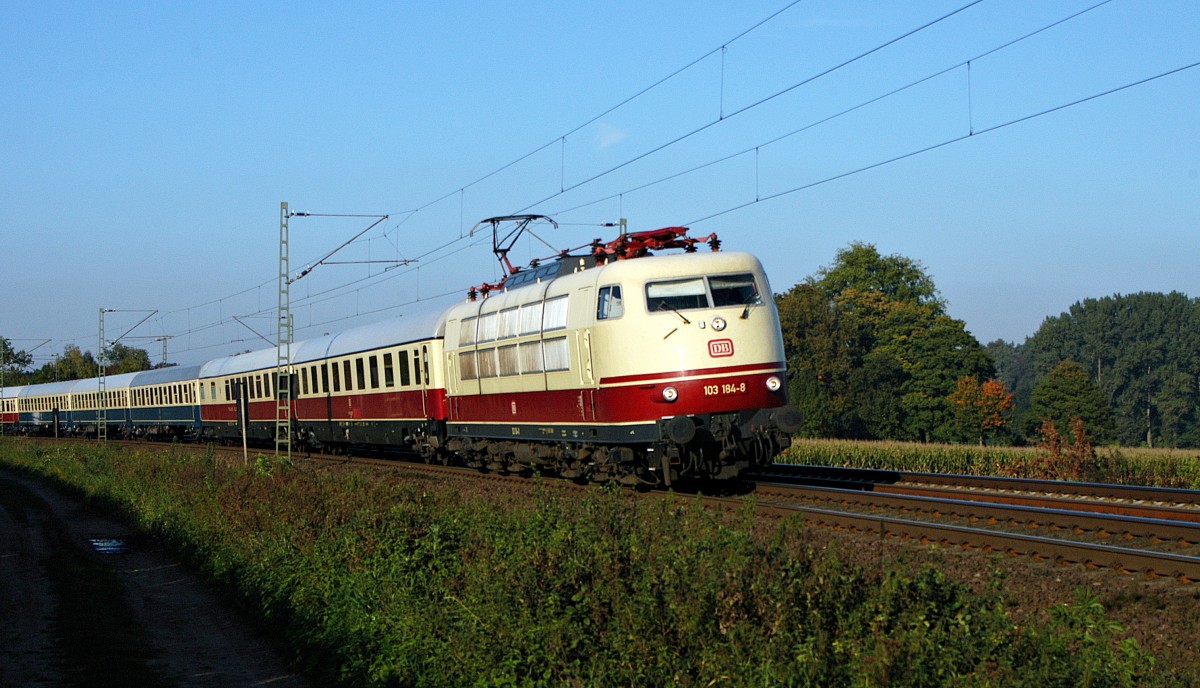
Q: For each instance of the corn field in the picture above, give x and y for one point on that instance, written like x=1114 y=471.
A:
x=1120 y=465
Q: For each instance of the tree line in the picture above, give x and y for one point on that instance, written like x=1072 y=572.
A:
x=873 y=354
x=72 y=364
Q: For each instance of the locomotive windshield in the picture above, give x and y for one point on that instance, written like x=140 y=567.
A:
x=702 y=292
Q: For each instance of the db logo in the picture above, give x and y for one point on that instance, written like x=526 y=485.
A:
x=720 y=348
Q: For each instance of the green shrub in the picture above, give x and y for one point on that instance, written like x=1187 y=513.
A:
x=375 y=580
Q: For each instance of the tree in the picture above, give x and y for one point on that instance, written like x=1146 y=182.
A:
x=1143 y=352
x=11 y=360
x=871 y=351
x=124 y=359
x=1068 y=393
x=982 y=410
x=897 y=278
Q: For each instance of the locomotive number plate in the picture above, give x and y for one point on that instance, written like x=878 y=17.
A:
x=725 y=389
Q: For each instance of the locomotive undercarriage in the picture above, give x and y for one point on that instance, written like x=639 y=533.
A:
x=701 y=447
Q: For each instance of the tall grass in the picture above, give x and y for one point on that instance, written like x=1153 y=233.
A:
x=374 y=580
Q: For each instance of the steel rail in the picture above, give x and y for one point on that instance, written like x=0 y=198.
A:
x=1181 y=567
x=1183 y=532
x=879 y=477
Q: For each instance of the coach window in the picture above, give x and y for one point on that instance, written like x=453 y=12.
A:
x=402 y=364
x=360 y=379
x=303 y=382
x=425 y=364
x=374 y=366
x=609 y=303
x=258 y=390
x=389 y=374
x=346 y=374
x=337 y=378
x=314 y=384
x=416 y=367
x=325 y=378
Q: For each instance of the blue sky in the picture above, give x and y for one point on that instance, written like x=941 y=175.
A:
x=146 y=147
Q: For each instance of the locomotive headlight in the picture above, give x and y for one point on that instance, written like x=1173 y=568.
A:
x=670 y=394
x=718 y=323
x=774 y=383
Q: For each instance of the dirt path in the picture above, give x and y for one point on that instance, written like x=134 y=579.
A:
x=70 y=615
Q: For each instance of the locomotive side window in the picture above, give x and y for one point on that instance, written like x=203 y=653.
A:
x=507 y=327
x=609 y=303
x=530 y=354
x=734 y=290
x=466 y=331
x=487 y=327
x=486 y=362
x=531 y=318
x=508 y=360
x=554 y=317
x=558 y=354
x=466 y=365
x=676 y=295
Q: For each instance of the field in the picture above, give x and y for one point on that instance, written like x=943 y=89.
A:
x=378 y=578
x=1119 y=465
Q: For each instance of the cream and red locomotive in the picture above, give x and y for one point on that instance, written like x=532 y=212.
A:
x=594 y=366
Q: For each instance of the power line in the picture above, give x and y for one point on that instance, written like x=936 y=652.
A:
x=755 y=148
x=950 y=141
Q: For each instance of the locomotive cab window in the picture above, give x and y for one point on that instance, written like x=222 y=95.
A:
x=734 y=290
x=676 y=295
x=609 y=303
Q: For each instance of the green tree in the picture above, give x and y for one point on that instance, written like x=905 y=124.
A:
x=125 y=359
x=12 y=360
x=1143 y=352
x=1066 y=393
x=872 y=352
x=861 y=267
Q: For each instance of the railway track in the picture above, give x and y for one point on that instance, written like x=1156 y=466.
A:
x=1150 y=531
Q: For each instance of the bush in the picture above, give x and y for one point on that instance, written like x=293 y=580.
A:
x=375 y=580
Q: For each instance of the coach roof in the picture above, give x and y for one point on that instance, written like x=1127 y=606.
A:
x=398 y=331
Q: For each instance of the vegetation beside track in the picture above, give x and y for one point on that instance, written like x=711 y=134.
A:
x=378 y=579
x=1117 y=465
